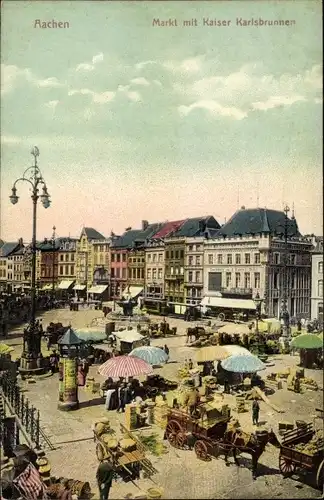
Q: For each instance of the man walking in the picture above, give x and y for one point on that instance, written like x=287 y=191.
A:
x=104 y=476
x=255 y=411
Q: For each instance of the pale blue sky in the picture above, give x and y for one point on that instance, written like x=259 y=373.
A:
x=140 y=122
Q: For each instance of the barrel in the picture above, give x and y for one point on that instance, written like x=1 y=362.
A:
x=110 y=327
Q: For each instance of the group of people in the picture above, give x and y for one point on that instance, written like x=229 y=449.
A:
x=119 y=394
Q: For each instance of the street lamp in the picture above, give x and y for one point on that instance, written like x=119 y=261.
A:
x=31 y=360
x=284 y=315
x=258 y=301
x=53 y=265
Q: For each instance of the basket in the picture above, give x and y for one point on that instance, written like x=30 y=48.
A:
x=153 y=493
x=127 y=444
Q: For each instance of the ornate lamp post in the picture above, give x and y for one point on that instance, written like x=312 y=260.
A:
x=53 y=264
x=258 y=301
x=284 y=314
x=31 y=359
x=69 y=346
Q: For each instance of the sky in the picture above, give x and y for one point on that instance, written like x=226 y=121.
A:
x=138 y=121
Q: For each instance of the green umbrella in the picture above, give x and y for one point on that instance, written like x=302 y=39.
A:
x=307 y=341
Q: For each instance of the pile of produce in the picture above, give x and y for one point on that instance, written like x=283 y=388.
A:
x=310 y=382
x=314 y=445
x=183 y=372
x=154 y=444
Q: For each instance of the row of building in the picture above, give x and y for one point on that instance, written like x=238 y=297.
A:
x=194 y=261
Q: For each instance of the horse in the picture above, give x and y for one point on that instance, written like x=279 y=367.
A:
x=253 y=444
x=193 y=332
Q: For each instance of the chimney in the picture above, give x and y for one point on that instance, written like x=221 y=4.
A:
x=21 y=242
x=144 y=224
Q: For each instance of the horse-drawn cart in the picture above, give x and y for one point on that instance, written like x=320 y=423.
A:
x=203 y=432
x=302 y=448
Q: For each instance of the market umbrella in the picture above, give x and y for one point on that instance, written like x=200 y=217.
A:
x=90 y=334
x=5 y=349
x=243 y=364
x=150 y=354
x=211 y=353
x=125 y=366
x=307 y=341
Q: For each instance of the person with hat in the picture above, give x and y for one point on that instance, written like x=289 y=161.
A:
x=104 y=476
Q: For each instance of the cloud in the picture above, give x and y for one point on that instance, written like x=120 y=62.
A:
x=90 y=66
x=134 y=96
x=140 y=81
x=8 y=139
x=276 y=102
x=98 y=58
x=142 y=64
x=104 y=97
x=214 y=108
x=192 y=65
x=11 y=75
x=52 y=104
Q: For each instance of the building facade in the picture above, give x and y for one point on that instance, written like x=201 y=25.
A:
x=85 y=256
x=176 y=286
x=10 y=265
x=194 y=270
x=154 y=269
x=250 y=255
x=66 y=262
x=317 y=281
x=49 y=265
x=101 y=263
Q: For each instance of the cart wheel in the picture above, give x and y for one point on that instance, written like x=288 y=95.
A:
x=100 y=452
x=320 y=475
x=202 y=451
x=181 y=440
x=172 y=429
x=287 y=468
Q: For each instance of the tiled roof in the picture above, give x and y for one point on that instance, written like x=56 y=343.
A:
x=149 y=232
x=92 y=234
x=19 y=251
x=127 y=239
x=47 y=246
x=8 y=248
x=257 y=221
x=168 y=228
x=197 y=226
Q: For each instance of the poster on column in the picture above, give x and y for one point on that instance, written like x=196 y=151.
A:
x=70 y=373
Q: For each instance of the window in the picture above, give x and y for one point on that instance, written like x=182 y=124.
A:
x=181 y=271
x=190 y=260
x=154 y=274
x=124 y=271
x=72 y=270
x=118 y=257
x=160 y=257
x=210 y=259
x=247 y=280
x=256 y=258
x=320 y=288
x=177 y=270
x=293 y=259
x=171 y=254
x=320 y=267
x=229 y=258
x=190 y=276
x=256 y=280
x=171 y=270
x=118 y=272
x=159 y=274
x=214 y=282
x=276 y=280
x=320 y=311
x=112 y=257
x=237 y=280
x=149 y=274
x=237 y=258
x=124 y=257
x=154 y=257
x=190 y=248
x=198 y=277
x=247 y=258
x=61 y=258
x=61 y=270
x=67 y=270
x=198 y=260
x=167 y=254
x=219 y=258
x=149 y=257
x=276 y=258
x=177 y=254
x=228 y=280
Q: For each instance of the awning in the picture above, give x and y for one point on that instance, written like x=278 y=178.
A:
x=128 y=336
x=64 y=285
x=132 y=292
x=229 y=303
x=79 y=287
x=99 y=289
x=47 y=287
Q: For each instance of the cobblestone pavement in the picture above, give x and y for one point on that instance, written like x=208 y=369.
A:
x=181 y=474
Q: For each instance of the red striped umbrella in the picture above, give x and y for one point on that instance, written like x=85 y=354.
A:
x=125 y=366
